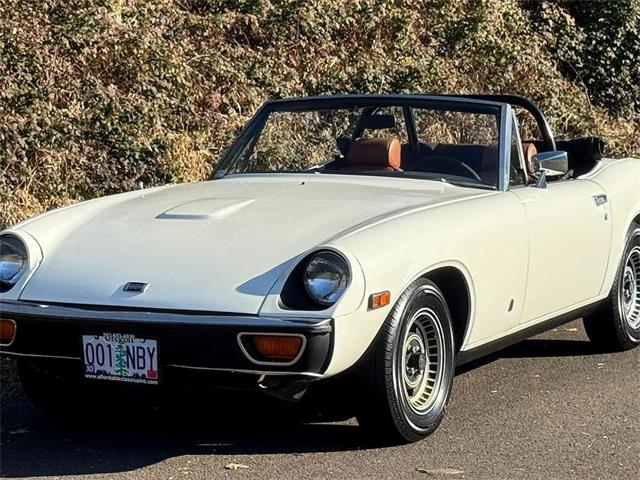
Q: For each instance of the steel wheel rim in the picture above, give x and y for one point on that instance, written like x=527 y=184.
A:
x=422 y=360
x=629 y=291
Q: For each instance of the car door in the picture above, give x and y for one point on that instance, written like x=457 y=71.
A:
x=569 y=238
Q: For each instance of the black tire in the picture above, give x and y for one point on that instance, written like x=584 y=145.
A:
x=615 y=324
x=387 y=410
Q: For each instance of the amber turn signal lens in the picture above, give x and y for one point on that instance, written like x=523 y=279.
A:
x=379 y=300
x=277 y=347
x=7 y=331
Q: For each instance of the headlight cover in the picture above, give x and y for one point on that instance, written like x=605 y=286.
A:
x=14 y=261
x=326 y=277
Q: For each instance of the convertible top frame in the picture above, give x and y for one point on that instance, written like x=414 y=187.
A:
x=529 y=106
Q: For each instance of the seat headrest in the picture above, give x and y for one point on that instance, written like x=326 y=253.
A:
x=375 y=153
x=530 y=151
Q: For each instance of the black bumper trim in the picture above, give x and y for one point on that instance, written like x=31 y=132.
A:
x=206 y=342
x=11 y=308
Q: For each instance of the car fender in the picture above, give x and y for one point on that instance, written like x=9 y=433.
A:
x=620 y=179
x=492 y=257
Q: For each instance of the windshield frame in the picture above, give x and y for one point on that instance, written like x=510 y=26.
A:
x=252 y=130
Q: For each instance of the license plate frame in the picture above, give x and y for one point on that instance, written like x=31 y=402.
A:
x=121 y=358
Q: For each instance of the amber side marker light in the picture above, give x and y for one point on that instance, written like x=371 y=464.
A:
x=379 y=300
x=281 y=348
x=7 y=331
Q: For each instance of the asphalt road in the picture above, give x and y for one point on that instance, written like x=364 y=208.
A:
x=548 y=408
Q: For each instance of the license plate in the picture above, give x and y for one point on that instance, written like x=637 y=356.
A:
x=120 y=357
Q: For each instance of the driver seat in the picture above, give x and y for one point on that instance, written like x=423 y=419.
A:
x=374 y=154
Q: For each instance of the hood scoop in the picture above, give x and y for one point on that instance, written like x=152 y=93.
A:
x=206 y=209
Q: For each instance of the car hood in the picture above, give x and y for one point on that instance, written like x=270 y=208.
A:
x=216 y=246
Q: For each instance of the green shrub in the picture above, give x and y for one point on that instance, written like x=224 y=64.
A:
x=98 y=95
x=597 y=45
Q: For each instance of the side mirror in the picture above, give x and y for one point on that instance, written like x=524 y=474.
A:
x=550 y=164
x=555 y=163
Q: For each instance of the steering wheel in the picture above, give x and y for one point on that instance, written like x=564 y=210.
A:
x=444 y=164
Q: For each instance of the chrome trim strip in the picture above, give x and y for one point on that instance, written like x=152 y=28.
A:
x=188 y=367
x=521 y=159
x=35 y=355
x=34 y=309
x=252 y=372
x=506 y=115
x=277 y=364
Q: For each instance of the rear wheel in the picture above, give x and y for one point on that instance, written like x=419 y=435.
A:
x=615 y=325
x=408 y=372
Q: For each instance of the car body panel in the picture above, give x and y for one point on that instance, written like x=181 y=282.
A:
x=565 y=268
x=554 y=255
x=620 y=179
x=212 y=246
x=457 y=235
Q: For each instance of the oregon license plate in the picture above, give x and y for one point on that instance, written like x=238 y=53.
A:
x=120 y=357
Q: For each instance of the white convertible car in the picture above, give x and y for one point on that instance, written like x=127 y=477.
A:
x=378 y=241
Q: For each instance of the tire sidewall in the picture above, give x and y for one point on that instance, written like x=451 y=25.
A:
x=633 y=241
x=422 y=294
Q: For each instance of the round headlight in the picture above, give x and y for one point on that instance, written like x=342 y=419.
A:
x=14 y=261
x=326 y=278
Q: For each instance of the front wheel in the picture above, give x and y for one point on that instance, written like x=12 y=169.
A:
x=615 y=325
x=408 y=372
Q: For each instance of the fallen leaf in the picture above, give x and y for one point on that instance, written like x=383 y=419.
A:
x=235 y=466
x=440 y=471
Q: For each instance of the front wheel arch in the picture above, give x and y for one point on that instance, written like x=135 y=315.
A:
x=457 y=294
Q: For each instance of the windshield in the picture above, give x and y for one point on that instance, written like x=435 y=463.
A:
x=453 y=142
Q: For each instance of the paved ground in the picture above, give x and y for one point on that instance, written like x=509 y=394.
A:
x=549 y=408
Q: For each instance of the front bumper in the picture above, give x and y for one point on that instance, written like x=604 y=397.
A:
x=193 y=341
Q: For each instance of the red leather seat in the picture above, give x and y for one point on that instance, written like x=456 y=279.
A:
x=530 y=151
x=374 y=154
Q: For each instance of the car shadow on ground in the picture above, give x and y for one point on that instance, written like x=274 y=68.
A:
x=38 y=446
x=536 y=348
x=33 y=445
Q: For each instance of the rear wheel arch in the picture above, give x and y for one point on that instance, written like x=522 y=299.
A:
x=454 y=286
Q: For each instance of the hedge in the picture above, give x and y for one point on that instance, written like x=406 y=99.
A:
x=96 y=96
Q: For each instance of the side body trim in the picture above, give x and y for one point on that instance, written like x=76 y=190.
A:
x=466 y=356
